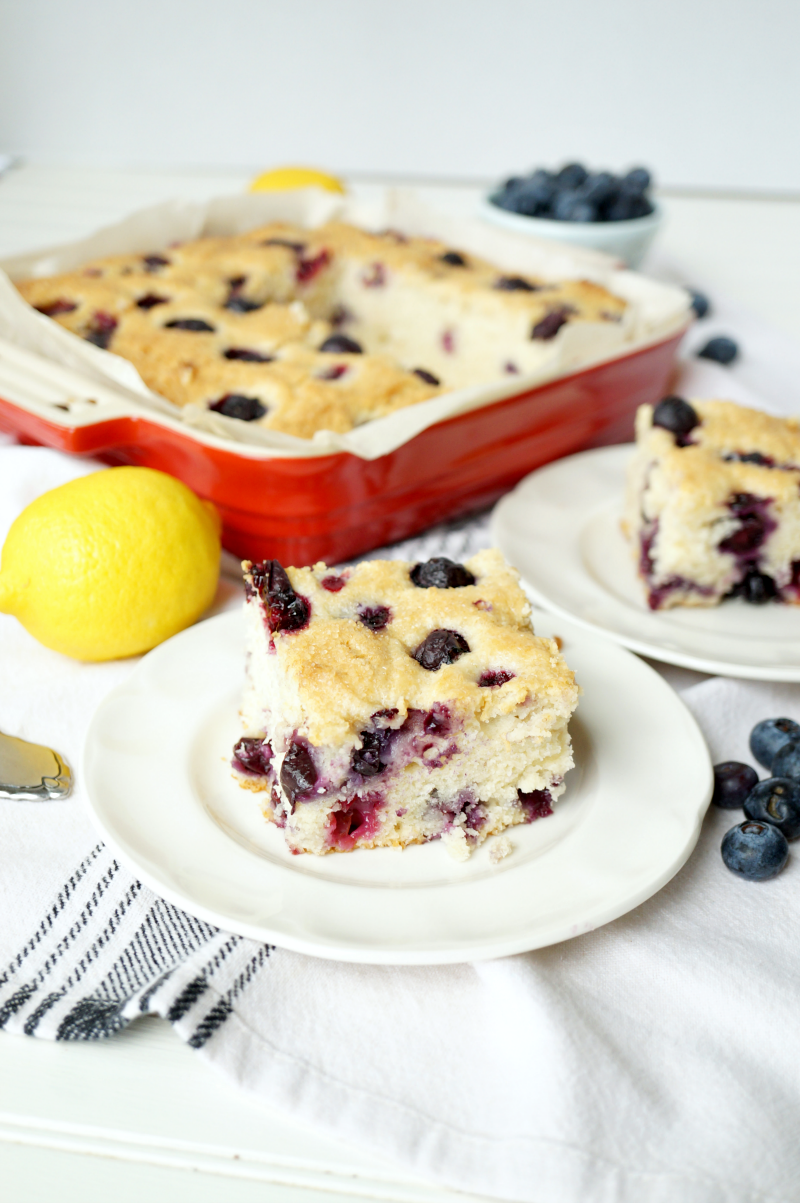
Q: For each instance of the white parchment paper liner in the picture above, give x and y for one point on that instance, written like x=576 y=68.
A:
x=51 y=354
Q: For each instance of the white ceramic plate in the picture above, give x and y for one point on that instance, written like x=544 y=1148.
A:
x=156 y=766
x=561 y=528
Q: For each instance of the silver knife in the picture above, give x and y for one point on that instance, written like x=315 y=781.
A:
x=32 y=771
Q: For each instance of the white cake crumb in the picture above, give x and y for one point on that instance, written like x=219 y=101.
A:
x=456 y=843
x=500 y=849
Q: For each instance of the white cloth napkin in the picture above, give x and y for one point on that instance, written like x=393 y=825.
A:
x=654 y=1060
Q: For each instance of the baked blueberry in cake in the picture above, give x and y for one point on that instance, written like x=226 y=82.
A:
x=713 y=504
x=396 y=703
x=322 y=329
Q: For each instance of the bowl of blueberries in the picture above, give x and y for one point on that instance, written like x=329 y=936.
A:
x=594 y=209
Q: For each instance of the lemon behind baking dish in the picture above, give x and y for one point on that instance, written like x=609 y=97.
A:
x=111 y=564
x=285 y=178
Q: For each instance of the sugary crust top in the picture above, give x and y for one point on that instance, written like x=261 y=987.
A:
x=699 y=471
x=341 y=672
x=273 y=292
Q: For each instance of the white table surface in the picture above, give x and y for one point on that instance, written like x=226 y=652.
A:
x=140 y=1116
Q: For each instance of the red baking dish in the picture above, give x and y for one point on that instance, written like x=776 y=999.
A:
x=333 y=507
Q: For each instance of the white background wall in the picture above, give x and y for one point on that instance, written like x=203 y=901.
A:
x=705 y=91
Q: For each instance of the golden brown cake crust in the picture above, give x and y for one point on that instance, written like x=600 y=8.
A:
x=261 y=304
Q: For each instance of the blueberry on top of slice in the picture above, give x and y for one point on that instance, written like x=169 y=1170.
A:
x=286 y=610
x=733 y=781
x=440 y=647
x=427 y=377
x=374 y=618
x=441 y=573
x=720 y=350
x=776 y=800
x=247 y=355
x=196 y=325
x=768 y=736
x=236 y=405
x=675 y=415
x=341 y=344
x=152 y=263
x=454 y=259
x=150 y=300
x=514 y=284
x=550 y=325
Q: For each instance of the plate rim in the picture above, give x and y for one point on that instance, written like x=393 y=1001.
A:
x=482 y=947
x=655 y=651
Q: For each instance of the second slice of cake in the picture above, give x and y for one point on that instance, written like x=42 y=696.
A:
x=395 y=703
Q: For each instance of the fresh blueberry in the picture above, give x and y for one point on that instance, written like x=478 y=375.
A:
x=235 y=405
x=700 y=303
x=675 y=415
x=441 y=573
x=197 y=325
x=454 y=259
x=571 y=176
x=514 y=284
x=786 y=761
x=776 y=800
x=298 y=773
x=246 y=355
x=494 y=676
x=598 y=188
x=733 y=781
x=366 y=760
x=570 y=206
x=286 y=610
x=440 y=647
x=427 y=377
x=637 y=181
x=769 y=736
x=252 y=755
x=756 y=588
x=628 y=206
x=756 y=851
x=550 y=325
x=340 y=344
x=374 y=618
x=530 y=197
x=720 y=350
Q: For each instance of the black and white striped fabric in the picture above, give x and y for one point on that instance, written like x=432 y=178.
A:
x=109 y=950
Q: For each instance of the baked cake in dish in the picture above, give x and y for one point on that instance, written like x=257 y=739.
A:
x=713 y=504
x=397 y=703
x=300 y=330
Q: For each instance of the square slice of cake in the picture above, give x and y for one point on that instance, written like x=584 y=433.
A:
x=396 y=703
x=713 y=504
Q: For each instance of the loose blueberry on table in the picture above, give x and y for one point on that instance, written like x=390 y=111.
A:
x=786 y=761
x=769 y=736
x=733 y=781
x=776 y=800
x=755 y=851
x=720 y=350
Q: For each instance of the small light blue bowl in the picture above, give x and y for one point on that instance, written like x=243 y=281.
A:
x=625 y=240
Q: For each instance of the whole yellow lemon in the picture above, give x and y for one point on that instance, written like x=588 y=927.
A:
x=284 y=178
x=111 y=564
